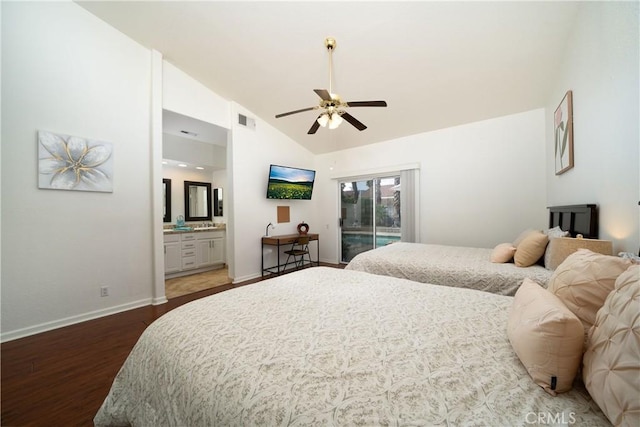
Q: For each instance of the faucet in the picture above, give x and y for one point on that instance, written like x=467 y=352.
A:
x=267 y=230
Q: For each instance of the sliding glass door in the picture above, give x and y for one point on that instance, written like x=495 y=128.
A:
x=369 y=214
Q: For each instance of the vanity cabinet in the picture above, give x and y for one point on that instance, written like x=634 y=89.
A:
x=193 y=252
x=172 y=253
x=210 y=249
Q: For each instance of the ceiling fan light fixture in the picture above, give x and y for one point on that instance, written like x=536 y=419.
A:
x=335 y=121
x=323 y=120
x=331 y=106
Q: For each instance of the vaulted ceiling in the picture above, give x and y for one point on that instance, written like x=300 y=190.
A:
x=437 y=64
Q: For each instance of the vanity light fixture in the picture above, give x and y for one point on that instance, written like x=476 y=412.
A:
x=182 y=165
x=199 y=168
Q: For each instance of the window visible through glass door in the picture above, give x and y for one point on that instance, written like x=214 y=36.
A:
x=369 y=214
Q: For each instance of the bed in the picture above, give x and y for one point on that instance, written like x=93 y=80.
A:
x=471 y=267
x=325 y=346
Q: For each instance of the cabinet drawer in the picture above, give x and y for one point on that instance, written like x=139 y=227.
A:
x=209 y=234
x=188 y=252
x=188 y=236
x=188 y=245
x=188 y=262
x=171 y=238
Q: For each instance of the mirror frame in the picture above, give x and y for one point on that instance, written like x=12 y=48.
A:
x=167 y=200
x=217 y=201
x=188 y=217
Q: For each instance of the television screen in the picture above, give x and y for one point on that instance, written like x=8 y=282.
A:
x=290 y=183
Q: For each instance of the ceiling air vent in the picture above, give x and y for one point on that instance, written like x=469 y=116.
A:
x=186 y=132
x=247 y=122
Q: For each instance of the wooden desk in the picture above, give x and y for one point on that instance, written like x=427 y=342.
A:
x=282 y=240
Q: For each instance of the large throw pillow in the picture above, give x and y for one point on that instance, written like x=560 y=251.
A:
x=546 y=336
x=503 y=253
x=531 y=249
x=611 y=369
x=583 y=281
x=523 y=236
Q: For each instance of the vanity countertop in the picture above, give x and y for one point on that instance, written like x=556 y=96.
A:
x=194 y=229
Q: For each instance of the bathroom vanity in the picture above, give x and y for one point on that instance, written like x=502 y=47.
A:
x=193 y=251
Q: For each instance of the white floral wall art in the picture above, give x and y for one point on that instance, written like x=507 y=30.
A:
x=74 y=163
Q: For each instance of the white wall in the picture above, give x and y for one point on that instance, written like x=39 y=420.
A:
x=601 y=67
x=194 y=152
x=66 y=71
x=480 y=183
x=251 y=151
x=183 y=94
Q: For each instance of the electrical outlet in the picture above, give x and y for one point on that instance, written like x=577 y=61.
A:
x=104 y=291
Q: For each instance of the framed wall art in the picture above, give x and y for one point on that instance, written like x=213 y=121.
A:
x=563 y=134
x=74 y=163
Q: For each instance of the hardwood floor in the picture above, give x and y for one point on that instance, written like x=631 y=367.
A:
x=61 y=377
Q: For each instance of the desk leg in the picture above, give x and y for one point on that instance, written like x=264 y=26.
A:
x=318 y=253
x=262 y=259
x=278 y=257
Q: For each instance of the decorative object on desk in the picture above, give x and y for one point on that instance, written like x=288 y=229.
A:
x=303 y=228
x=74 y=163
x=563 y=134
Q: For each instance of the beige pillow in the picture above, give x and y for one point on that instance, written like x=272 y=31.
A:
x=531 y=249
x=546 y=336
x=523 y=235
x=583 y=281
x=611 y=369
x=503 y=253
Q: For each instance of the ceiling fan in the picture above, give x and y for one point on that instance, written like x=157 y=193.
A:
x=331 y=105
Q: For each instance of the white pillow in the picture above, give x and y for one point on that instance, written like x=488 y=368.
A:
x=555 y=232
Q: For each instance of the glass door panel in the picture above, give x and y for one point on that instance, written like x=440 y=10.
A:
x=369 y=214
x=356 y=218
x=387 y=208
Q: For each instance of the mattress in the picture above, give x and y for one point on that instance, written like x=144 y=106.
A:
x=326 y=346
x=454 y=266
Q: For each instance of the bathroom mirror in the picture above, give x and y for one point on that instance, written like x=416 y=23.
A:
x=217 y=202
x=197 y=201
x=166 y=200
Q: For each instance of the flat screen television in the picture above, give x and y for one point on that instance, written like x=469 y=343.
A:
x=290 y=183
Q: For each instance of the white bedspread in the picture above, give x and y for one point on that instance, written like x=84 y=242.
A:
x=331 y=347
x=449 y=266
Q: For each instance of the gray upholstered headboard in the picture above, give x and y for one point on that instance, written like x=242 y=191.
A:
x=576 y=219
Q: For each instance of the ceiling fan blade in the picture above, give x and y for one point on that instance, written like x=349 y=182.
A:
x=323 y=93
x=314 y=127
x=367 y=104
x=294 y=112
x=355 y=122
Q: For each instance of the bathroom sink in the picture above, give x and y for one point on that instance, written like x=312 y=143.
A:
x=210 y=227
